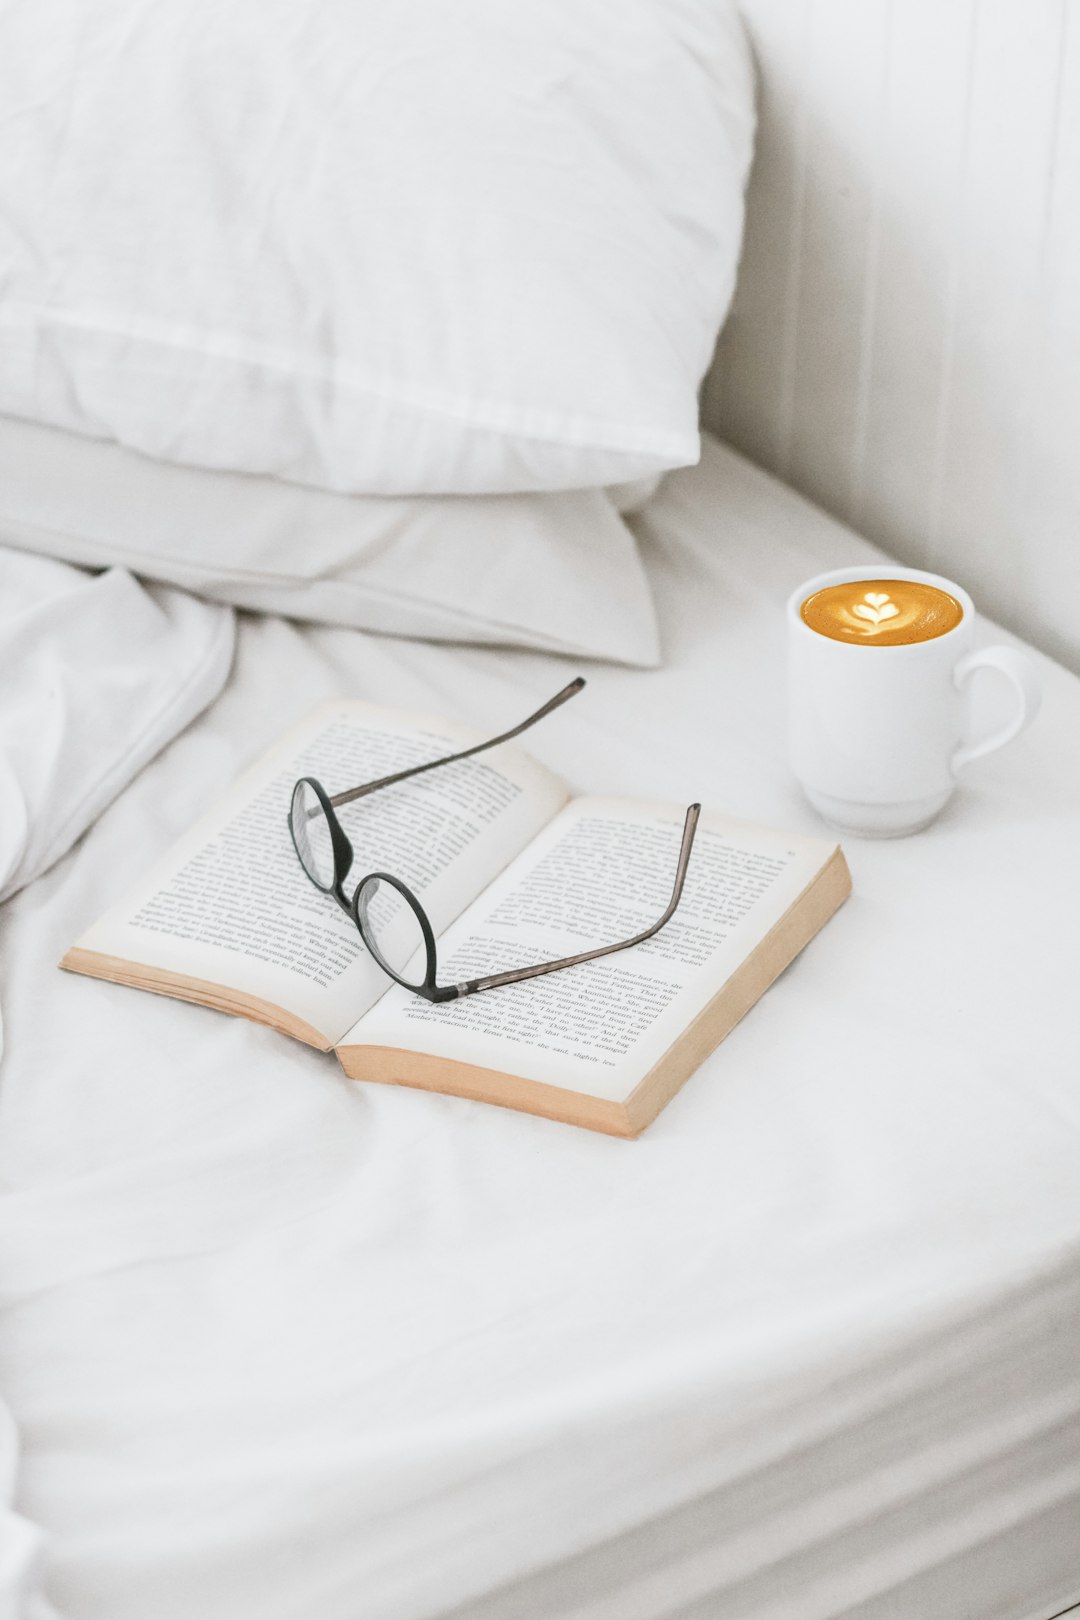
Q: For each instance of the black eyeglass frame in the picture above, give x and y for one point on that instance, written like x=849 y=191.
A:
x=343 y=856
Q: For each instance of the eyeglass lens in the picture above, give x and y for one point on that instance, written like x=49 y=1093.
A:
x=391 y=930
x=311 y=835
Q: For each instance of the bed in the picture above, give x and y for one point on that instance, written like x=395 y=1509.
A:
x=280 y=1345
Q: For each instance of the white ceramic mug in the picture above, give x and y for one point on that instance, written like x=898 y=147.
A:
x=878 y=733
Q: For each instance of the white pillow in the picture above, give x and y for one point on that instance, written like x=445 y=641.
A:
x=375 y=246
x=559 y=571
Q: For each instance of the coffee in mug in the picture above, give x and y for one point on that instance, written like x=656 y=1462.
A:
x=882 y=612
x=878 y=703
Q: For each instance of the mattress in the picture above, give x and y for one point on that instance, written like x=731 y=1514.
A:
x=281 y=1345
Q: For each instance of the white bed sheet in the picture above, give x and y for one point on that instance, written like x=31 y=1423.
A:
x=280 y=1345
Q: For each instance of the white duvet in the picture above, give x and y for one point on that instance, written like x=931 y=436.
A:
x=279 y=1345
x=97 y=673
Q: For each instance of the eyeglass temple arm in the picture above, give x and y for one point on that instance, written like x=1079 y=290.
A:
x=448 y=759
x=493 y=980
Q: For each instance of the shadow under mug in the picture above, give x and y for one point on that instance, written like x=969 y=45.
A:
x=877 y=734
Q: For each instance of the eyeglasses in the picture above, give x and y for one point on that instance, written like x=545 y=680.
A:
x=392 y=923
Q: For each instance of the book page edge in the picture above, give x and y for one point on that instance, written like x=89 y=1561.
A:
x=423 y=1071
x=789 y=935
x=201 y=992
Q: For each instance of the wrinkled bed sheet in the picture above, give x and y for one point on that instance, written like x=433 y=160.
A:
x=279 y=1345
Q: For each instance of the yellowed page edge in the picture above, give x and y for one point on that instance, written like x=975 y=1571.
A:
x=390 y=1066
x=162 y=982
x=801 y=922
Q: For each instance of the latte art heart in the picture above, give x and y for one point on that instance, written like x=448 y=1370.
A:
x=882 y=612
x=876 y=607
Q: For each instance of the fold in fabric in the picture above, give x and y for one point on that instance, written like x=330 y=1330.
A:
x=97 y=674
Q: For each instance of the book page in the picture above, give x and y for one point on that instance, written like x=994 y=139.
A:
x=230 y=903
x=601 y=871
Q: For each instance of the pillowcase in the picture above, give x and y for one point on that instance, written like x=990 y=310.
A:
x=373 y=248
x=559 y=572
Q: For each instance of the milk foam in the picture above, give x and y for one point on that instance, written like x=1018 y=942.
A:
x=882 y=612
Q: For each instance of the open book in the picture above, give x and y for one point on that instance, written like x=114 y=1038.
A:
x=511 y=871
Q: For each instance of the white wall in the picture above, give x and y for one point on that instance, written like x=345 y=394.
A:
x=905 y=341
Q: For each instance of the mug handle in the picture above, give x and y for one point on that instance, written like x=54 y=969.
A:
x=1020 y=671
